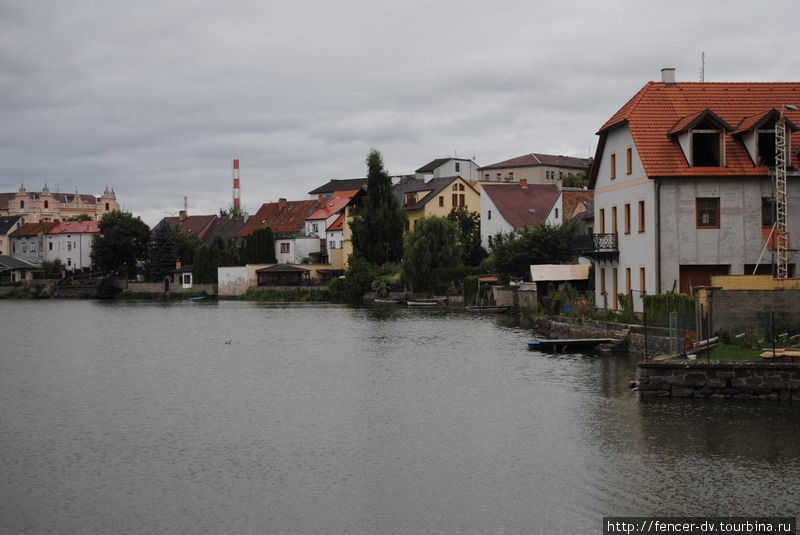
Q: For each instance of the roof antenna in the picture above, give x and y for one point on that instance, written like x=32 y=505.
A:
x=702 y=66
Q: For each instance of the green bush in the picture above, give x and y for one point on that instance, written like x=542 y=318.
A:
x=469 y=287
x=444 y=279
x=659 y=306
x=107 y=288
x=626 y=315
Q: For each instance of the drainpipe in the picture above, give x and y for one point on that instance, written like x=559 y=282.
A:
x=658 y=235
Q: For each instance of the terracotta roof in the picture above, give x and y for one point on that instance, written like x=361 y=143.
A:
x=345 y=193
x=75 y=227
x=690 y=121
x=331 y=207
x=6 y=222
x=32 y=229
x=757 y=121
x=6 y=198
x=571 y=199
x=227 y=227
x=536 y=159
x=336 y=225
x=348 y=184
x=522 y=207
x=657 y=108
x=194 y=225
x=286 y=217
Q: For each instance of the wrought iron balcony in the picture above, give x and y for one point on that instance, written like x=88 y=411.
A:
x=595 y=245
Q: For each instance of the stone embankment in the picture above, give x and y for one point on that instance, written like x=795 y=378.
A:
x=681 y=378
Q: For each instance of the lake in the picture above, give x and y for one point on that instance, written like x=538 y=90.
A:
x=234 y=417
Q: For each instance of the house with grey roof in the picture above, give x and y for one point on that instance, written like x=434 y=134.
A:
x=443 y=167
x=14 y=269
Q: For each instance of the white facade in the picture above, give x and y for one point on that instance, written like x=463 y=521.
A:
x=466 y=169
x=296 y=250
x=334 y=239
x=74 y=250
x=28 y=248
x=492 y=221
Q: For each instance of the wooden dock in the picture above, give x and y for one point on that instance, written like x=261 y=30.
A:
x=561 y=345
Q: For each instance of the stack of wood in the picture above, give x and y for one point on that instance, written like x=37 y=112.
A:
x=781 y=355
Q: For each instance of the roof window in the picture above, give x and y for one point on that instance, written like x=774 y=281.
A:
x=702 y=138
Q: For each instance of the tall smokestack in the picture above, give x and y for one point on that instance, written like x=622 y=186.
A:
x=236 y=193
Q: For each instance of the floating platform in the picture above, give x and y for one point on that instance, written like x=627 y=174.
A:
x=380 y=301
x=560 y=345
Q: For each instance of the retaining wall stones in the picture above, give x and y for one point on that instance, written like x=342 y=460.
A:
x=720 y=379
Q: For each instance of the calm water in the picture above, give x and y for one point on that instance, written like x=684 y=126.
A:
x=244 y=418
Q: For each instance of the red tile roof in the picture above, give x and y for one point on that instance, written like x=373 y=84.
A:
x=331 y=207
x=657 y=108
x=285 y=217
x=571 y=199
x=535 y=160
x=522 y=207
x=75 y=227
x=194 y=225
x=32 y=229
x=336 y=225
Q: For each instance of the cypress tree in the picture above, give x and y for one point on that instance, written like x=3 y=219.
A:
x=378 y=231
x=259 y=247
x=202 y=270
x=162 y=252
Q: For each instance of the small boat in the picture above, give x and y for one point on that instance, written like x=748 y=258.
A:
x=386 y=301
x=422 y=302
x=200 y=298
x=488 y=309
x=559 y=345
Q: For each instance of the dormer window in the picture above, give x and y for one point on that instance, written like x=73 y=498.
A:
x=411 y=198
x=757 y=134
x=766 y=148
x=702 y=138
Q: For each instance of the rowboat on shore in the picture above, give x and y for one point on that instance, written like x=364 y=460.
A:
x=422 y=302
x=488 y=309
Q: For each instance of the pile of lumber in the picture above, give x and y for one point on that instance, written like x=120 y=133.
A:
x=781 y=355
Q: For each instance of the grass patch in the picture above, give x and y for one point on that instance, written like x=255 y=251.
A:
x=733 y=352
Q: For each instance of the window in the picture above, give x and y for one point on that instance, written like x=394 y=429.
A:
x=106 y=207
x=641 y=281
x=441 y=200
x=627 y=281
x=560 y=175
x=332 y=244
x=612 y=163
x=768 y=213
x=13 y=247
x=490 y=241
x=46 y=204
x=50 y=246
x=498 y=176
x=629 y=161
x=707 y=148
x=707 y=212
x=315 y=227
x=614 y=288
x=486 y=176
x=454 y=187
x=613 y=219
x=455 y=200
x=411 y=198
x=187 y=278
x=458 y=167
x=641 y=216
x=285 y=247
x=556 y=213
x=461 y=187
x=627 y=218
x=766 y=148
x=462 y=200
x=69 y=261
x=602 y=219
x=489 y=215
x=33 y=247
x=511 y=175
x=24 y=248
x=602 y=281
x=69 y=246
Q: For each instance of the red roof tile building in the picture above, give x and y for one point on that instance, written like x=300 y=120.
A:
x=683 y=179
x=71 y=243
x=283 y=217
x=508 y=207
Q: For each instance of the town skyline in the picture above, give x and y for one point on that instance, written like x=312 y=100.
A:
x=157 y=104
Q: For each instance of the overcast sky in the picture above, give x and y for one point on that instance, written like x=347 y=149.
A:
x=156 y=99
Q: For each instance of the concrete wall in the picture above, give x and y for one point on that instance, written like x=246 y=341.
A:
x=515 y=296
x=720 y=379
x=232 y=280
x=745 y=310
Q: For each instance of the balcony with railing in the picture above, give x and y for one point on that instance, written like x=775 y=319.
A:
x=595 y=245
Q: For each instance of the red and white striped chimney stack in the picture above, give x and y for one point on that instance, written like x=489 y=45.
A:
x=236 y=193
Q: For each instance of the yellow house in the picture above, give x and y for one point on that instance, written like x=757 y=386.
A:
x=435 y=197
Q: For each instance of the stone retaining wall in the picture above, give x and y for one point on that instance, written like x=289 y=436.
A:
x=720 y=379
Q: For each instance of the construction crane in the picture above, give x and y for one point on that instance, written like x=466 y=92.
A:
x=782 y=155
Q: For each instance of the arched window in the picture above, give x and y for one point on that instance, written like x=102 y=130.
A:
x=21 y=204
x=106 y=207
x=47 y=204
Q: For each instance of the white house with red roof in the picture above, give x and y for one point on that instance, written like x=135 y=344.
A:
x=71 y=242
x=507 y=207
x=683 y=180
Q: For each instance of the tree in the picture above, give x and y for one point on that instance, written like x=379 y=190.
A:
x=227 y=253
x=469 y=229
x=162 y=252
x=378 y=231
x=259 y=247
x=545 y=244
x=120 y=243
x=80 y=217
x=53 y=269
x=187 y=244
x=204 y=270
x=230 y=212
x=433 y=243
x=575 y=181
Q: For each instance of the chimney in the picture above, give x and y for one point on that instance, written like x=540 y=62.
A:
x=523 y=183
x=181 y=215
x=177 y=264
x=281 y=203
x=236 y=191
x=668 y=76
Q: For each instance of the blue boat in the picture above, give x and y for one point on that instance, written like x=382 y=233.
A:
x=197 y=298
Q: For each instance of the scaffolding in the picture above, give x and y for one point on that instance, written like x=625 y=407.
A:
x=782 y=152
